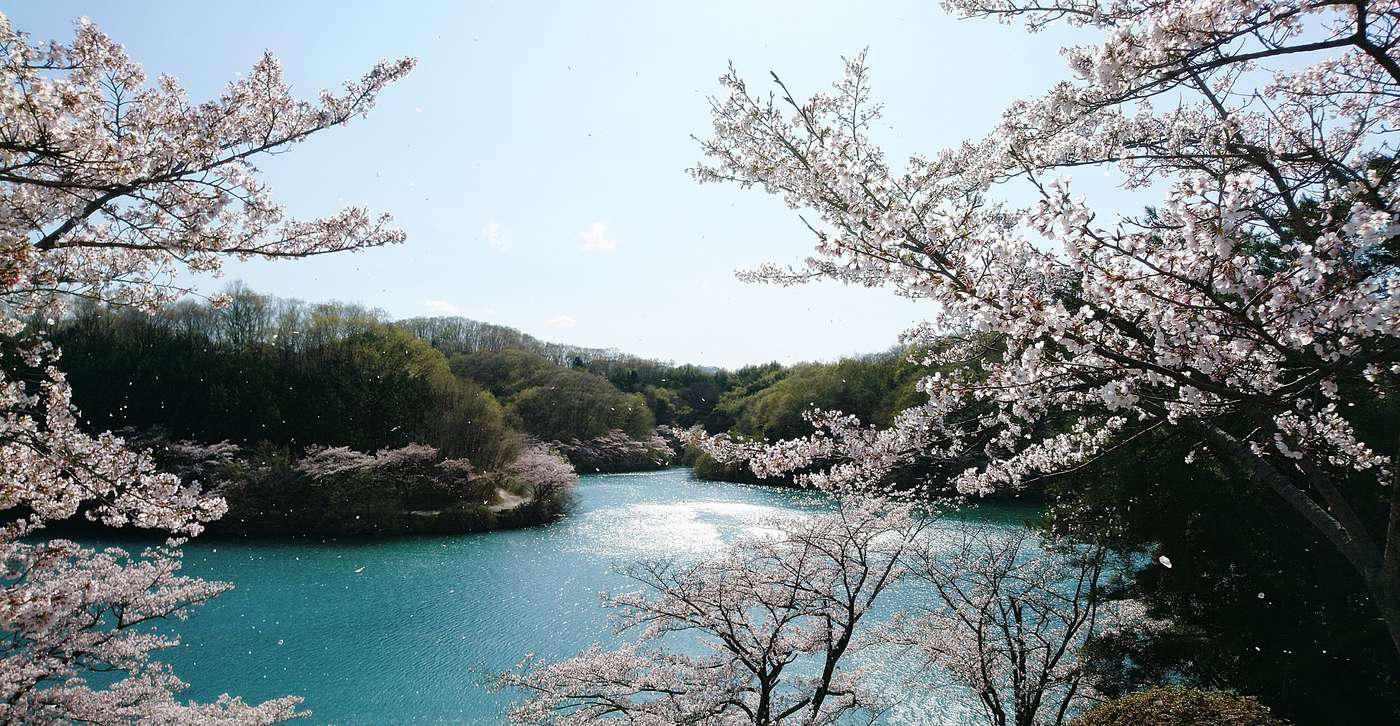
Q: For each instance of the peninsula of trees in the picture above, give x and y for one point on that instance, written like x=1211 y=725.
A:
x=257 y=394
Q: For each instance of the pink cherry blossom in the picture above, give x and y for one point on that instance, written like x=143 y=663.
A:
x=112 y=182
x=542 y=467
x=1260 y=286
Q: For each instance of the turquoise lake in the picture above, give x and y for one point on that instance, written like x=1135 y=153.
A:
x=405 y=631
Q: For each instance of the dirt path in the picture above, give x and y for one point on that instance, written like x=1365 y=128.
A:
x=508 y=500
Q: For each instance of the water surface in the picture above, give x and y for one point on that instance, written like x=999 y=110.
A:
x=405 y=630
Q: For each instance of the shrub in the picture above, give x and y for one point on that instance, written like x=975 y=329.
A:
x=548 y=477
x=1174 y=706
x=335 y=490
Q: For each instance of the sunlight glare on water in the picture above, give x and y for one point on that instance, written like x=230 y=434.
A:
x=651 y=530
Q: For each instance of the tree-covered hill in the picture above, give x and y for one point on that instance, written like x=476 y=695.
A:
x=453 y=335
x=280 y=371
x=297 y=374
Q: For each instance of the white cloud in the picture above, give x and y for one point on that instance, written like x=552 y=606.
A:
x=442 y=307
x=596 y=239
x=496 y=237
x=563 y=321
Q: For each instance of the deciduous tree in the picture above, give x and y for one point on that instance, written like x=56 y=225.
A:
x=1003 y=616
x=776 y=618
x=1243 y=308
x=110 y=185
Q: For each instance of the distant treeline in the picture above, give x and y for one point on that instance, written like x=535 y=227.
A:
x=331 y=374
x=453 y=335
x=282 y=378
x=763 y=400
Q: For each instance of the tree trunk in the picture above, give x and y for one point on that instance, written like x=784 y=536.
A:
x=1379 y=566
x=1385 y=592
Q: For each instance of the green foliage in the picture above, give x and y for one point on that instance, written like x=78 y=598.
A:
x=685 y=395
x=707 y=469
x=768 y=402
x=553 y=402
x=454 y=335
x=567 y=407
x=874 y=388
x=667 y=407
x=1171 y=706
x=505 y=373
x=507 y=362
x=279 y=371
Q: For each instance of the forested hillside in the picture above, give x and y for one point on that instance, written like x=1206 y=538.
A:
x=263 y=371
x=294 y=374
x=453 y=335
x=279 y=371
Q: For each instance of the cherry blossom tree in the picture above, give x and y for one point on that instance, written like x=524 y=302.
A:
x=543 y=468
x=1004 y=617
x=112 y=184
x=1249 y=308
x=776 y=617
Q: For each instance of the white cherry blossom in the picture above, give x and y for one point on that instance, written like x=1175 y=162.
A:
x=1256 y=295
x=112 y=182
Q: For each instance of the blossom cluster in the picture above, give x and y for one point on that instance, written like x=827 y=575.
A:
x=542 y=467
x=107 y=172
x=615 y=450
x=70 y=612
x=1239 y=307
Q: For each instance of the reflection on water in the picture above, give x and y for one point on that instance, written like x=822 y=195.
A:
x=404 y=631
x=651 y=530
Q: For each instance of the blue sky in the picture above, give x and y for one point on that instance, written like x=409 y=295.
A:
x=536 y=157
